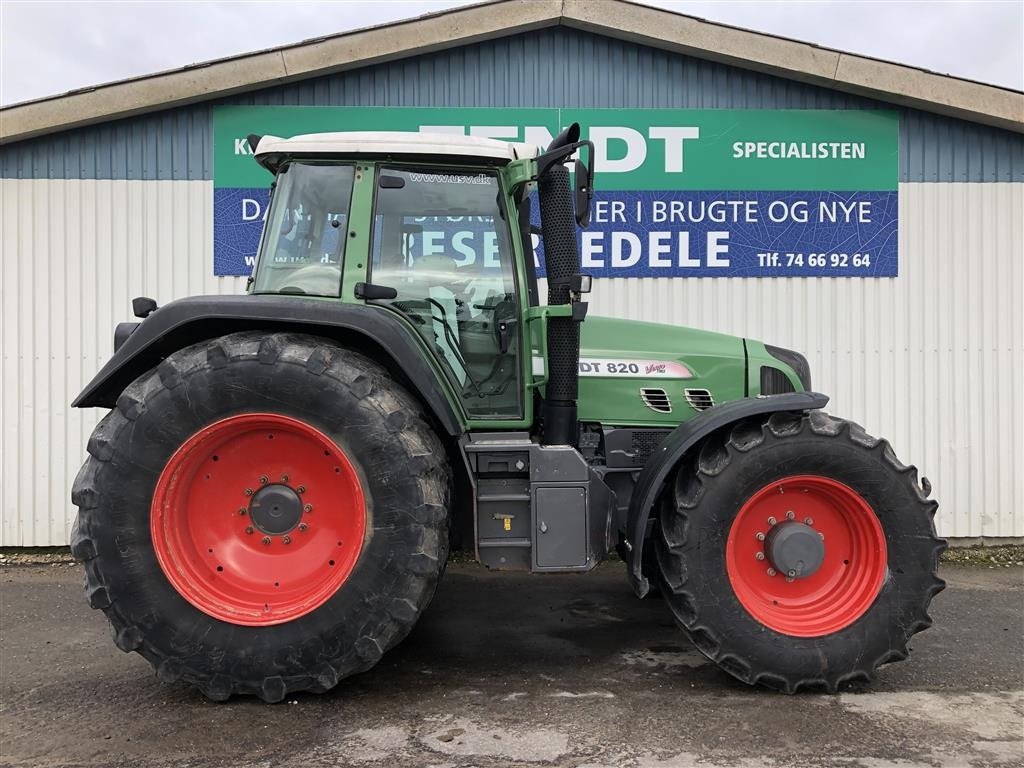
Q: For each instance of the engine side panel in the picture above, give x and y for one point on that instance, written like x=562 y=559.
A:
x=644 y=374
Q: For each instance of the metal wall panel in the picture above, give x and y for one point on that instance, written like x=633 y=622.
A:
x=73 y=253
x=556 y=67
x=932 y=359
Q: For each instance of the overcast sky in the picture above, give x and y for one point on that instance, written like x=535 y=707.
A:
x=51 y=47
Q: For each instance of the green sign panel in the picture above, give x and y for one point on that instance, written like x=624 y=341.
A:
x=784 y=192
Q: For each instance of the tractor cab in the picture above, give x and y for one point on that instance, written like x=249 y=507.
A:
x=426 y=226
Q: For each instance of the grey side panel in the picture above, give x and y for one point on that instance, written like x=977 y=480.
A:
x=674 y=447
x=187 y=321
x=538 y=507
x=561 y=529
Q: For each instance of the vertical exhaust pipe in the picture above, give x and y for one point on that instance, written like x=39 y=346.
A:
x=562 y=261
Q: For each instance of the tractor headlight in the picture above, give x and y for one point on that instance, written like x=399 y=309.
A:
x=794 y=360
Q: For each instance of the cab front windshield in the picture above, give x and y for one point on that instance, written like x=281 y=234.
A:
x=441 y=240
x=303 y=246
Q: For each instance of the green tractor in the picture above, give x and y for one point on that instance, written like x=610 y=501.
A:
x=270 y=502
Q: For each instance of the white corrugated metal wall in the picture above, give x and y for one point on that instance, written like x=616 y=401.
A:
x=932 y=359
x=73 y=254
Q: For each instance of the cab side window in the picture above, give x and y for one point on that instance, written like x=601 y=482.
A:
x=304 y=245
x=441 y=240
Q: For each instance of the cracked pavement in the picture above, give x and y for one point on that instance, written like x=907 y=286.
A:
x=518 y=670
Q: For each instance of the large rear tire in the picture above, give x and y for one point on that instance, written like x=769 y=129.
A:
x=798 y=552
x=262 y=514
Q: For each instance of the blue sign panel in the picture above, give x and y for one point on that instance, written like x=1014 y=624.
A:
x=750 y=234
x=680 y=193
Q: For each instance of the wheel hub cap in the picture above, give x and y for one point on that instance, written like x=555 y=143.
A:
x=806 y=556
x=275 y=509
x=795 y=549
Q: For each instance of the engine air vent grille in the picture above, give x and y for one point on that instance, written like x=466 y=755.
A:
x=644 y=441
x=774 y=381
x=699 y=399
x=656 y=399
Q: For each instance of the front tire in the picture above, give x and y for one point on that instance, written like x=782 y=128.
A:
x=262 y=514
x=798 y=552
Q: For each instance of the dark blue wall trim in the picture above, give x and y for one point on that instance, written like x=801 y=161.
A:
x=558 y=67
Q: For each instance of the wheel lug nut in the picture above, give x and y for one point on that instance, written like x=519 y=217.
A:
x=248 y=529
x=822 y=535
x=286 y=539
x=771 y=571
x=808 y=521
x=759 y=555
x=284 y=478
x=307 y=508
x=790 y=515
x=248 y=491
x=772 y=521
x=301 y=489
x=242 y=510
x=266 y=539
x=303 y=527
x=759 y=536
x=791 y=574
x=264 y=479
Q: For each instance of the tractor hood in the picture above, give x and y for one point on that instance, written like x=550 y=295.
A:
x=634 y=373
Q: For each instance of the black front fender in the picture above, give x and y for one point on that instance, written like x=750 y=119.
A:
x=675 y=446
x=374 y=330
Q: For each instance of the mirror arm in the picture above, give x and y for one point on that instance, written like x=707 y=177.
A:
x=560 y=154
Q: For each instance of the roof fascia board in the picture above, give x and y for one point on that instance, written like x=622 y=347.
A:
x=24 y=121
x=691 y=36
x=791 y=59
x=360 y=48
x=426 y=34
x=795 y=60
x=930 y=92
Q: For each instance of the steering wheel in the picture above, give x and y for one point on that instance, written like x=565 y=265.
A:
x=442 y=271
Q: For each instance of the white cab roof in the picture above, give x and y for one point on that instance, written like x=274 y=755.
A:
x=394 y=143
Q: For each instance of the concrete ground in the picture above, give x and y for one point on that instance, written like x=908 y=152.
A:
x=518 y=670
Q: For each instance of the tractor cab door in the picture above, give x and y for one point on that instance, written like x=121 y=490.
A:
x=441 y=240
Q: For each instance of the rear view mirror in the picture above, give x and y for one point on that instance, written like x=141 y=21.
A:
x=584 y=193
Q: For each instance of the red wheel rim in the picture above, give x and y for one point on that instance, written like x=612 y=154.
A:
x=258 y=519
x=853 y=565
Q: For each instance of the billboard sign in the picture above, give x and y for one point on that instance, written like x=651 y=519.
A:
x=679 y=193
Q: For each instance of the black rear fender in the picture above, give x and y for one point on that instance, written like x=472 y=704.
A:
x=375 y=331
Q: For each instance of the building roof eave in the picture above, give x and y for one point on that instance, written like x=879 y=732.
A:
x=795 y=60
x=791 y=59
